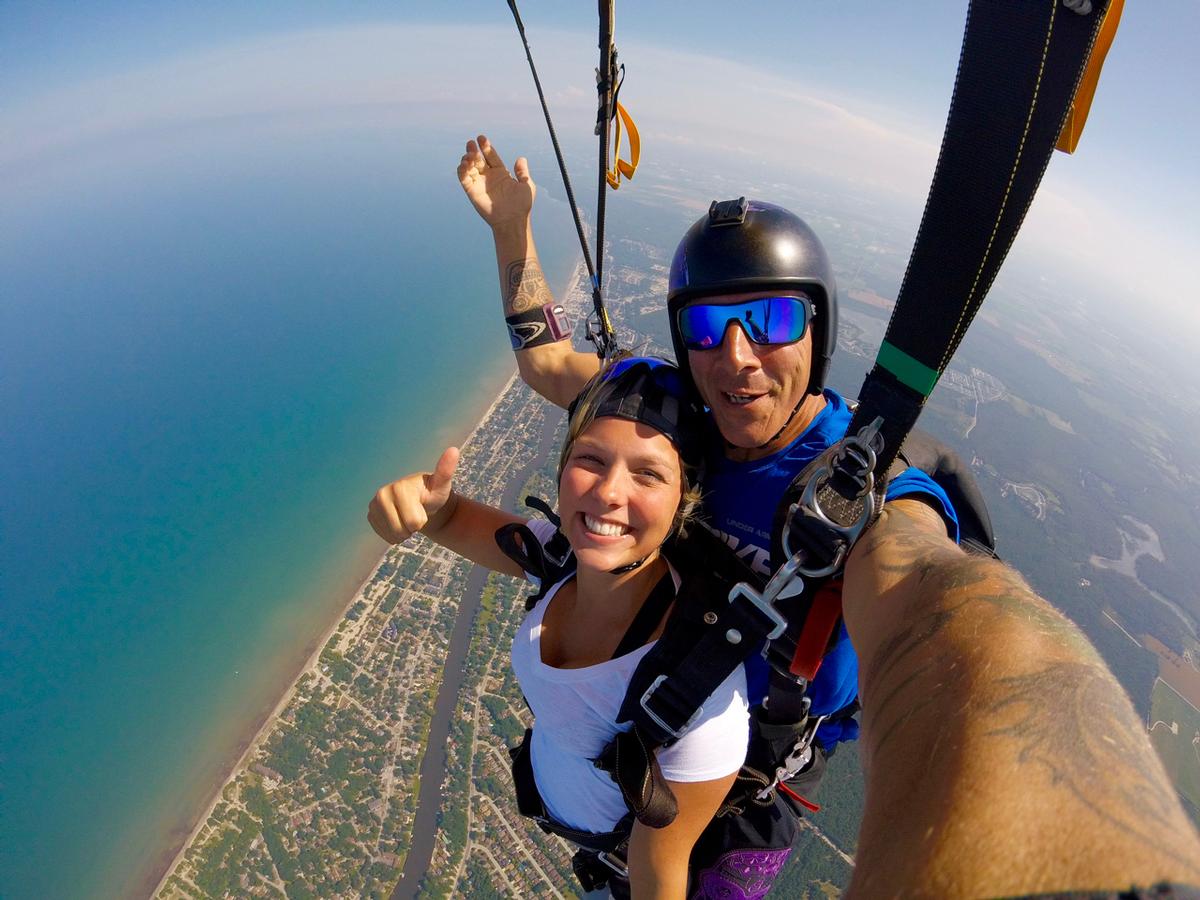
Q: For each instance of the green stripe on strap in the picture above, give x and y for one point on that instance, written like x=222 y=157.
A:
x=912 y=372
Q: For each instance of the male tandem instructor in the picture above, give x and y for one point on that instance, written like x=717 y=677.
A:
x=753 y=319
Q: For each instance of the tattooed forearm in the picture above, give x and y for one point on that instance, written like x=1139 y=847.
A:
x=525 y=287
x=977 y=673
x=986 y=600
x=906 y=641
x=1073 y=723
x=995 y=732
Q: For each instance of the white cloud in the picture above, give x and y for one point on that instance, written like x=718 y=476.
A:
x=309 y=70
x=725 y=104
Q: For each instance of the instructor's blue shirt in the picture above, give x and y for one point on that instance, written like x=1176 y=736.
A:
x=740 y=499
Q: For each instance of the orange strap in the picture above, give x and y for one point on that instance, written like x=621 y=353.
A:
x=1068 y=139
x=622 y=167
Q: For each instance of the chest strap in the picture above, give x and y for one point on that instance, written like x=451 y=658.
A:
x=648 y=617
x=715 y=625
x=529 y=803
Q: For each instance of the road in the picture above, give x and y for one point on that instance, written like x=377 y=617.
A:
x=433 y=764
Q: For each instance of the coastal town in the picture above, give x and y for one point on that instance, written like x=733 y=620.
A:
x=323 y=802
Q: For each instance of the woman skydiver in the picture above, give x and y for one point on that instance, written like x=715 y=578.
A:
x=626 y=476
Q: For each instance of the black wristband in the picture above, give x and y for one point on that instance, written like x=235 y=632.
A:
x=542 y=325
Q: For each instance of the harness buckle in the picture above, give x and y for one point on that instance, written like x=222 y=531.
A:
x=764 y=602
x=658 y=720
x=558 y=560
x=614 y=862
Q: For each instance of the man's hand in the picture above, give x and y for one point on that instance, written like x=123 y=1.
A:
x=417 y=502
x=501 y=198
x=505 y=201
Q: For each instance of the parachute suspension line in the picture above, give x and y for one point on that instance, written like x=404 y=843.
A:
x=603 y=336
x=606 y=82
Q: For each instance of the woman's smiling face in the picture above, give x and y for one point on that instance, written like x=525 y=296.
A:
x=619 y=492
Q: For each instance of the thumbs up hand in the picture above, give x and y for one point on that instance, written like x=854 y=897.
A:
x=422 y=501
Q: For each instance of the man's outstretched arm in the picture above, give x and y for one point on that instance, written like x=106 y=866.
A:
x=504 y=200
x=1001 y=755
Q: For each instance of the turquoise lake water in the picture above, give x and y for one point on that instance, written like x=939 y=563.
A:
x=215 y=345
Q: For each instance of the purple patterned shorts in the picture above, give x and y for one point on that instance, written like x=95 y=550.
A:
x=740 y=875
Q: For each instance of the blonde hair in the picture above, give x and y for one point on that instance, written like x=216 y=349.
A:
x=583 y=414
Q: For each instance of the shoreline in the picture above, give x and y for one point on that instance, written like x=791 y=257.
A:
x=153 y=876
x=148 y=879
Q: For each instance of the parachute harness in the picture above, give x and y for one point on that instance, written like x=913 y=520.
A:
x=1014 y=96
x=609 y=113
x=1018 y=76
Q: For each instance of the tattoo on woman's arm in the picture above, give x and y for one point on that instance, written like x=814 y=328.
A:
x=525 y=287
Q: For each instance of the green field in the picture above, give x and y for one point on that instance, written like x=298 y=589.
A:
x=1175 y=733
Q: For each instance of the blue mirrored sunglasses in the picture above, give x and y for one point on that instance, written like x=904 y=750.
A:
x=766 y=320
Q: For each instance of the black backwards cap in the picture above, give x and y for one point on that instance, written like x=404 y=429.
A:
x=650 y=391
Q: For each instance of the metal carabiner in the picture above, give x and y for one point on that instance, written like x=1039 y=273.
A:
x=800 y=756
x=862 y=448
x=599 y=332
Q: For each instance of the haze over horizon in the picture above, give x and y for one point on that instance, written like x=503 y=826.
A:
x=863 y=103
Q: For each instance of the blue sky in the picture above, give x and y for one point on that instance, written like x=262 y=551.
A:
x=858 y=91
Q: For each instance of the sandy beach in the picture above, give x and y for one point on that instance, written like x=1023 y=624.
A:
x=347 y=581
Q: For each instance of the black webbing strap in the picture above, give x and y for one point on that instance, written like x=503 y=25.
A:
x=648 y=617
x=1020 y=65
x=706 y=638
x=545 y=509
x=529 y=803
x=604 y=337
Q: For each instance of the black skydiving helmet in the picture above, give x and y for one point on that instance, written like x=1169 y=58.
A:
x=748 y=245
x=652 y=392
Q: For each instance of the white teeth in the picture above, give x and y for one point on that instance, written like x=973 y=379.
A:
x=608 y=529
x=738 y=399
